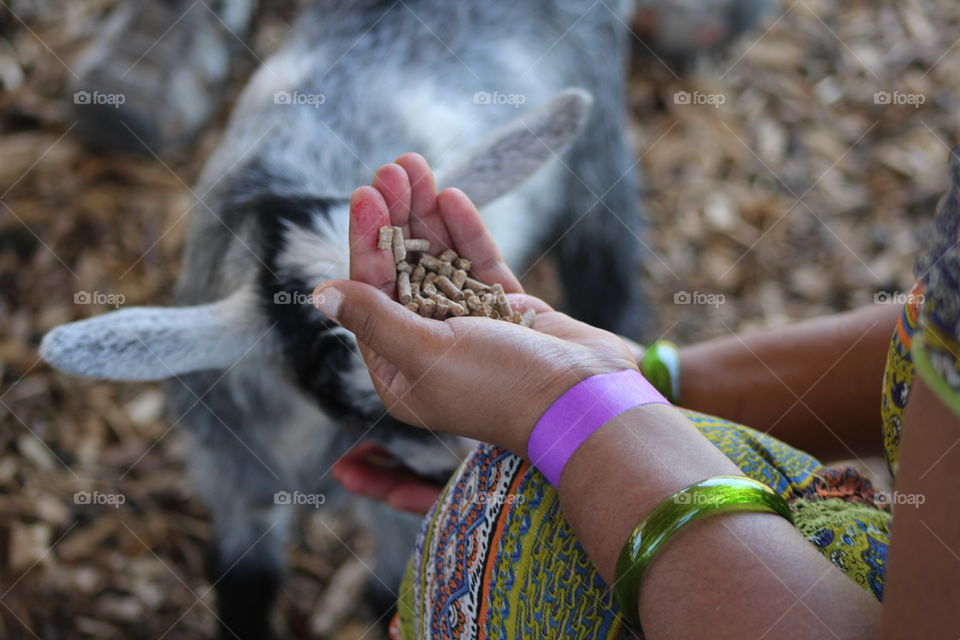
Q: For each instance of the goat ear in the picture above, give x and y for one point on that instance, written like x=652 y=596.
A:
x=153 y=343
x=513 y=154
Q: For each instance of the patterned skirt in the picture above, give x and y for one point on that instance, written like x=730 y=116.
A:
x=496 y=559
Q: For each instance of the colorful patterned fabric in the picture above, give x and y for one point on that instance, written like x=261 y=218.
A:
x=898 y=376
x=849 y=523
x=496 y=559
x=936 y=351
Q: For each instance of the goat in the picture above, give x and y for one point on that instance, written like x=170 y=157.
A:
x=519 y=104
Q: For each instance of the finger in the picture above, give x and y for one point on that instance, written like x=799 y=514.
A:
x=560 y=325
x=521 y=302
x=368 y=212
x=471 y=240
x=425 y=220
x=390 y=330
x=423 y=188
x=392 y=183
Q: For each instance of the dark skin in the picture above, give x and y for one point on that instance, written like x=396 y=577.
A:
x=814 y=384
x=922 y=592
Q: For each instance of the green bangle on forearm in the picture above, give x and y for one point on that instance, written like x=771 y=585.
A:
x=714 y=495
x=660 y=365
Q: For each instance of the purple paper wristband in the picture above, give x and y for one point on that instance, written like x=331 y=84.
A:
x=584 y=408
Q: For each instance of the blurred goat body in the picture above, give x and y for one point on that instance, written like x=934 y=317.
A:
x=520 y=104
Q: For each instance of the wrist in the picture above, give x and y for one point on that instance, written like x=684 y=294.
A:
x=580 y=412
x=546 y=394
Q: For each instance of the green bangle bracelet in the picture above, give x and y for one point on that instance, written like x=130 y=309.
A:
x=660 y=365
x=714 y=495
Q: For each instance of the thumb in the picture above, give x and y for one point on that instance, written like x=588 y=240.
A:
x=523 y=301
x=378 y=322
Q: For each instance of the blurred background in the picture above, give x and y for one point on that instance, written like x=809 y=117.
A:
x=791 y=176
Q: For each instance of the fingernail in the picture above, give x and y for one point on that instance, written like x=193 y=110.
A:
x=327 y=300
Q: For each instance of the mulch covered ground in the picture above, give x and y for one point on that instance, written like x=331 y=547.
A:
x=793 y=177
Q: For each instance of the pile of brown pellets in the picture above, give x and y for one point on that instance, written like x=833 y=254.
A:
x=440 y=287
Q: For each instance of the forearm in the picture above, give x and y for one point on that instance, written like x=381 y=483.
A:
x=716 y=570
x=815 y=385
x=922 y=593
